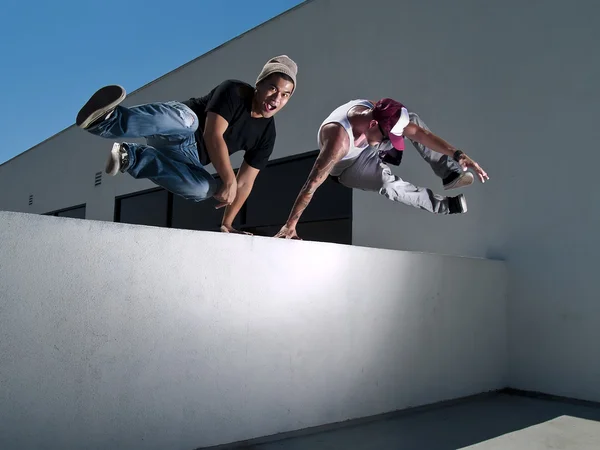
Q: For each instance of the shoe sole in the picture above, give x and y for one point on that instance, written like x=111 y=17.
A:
x=463 y=203
x=101 y=103
x=465 y=179
x=114 y=160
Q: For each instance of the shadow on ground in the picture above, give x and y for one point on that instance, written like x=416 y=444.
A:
x=447 y=427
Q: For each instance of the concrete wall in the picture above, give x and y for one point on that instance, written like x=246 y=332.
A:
x=122 y=336
x=513 y=83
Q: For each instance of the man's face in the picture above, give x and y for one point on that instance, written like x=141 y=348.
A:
x=272 y=94
x=375 y=135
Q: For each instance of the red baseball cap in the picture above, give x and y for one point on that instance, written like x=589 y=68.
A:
x=392 y=117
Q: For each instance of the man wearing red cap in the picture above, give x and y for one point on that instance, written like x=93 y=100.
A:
x=361 y=136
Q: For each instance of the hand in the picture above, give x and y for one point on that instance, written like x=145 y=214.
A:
x=226 y=194
x=287 y=232
x=467 y=163
x=230 y=229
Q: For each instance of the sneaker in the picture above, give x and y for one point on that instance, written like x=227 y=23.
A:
x=100 y=105
x=457 y=180
x=457 y=205
x=118 y=160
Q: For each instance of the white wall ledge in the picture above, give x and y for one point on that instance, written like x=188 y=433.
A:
x=129 y=336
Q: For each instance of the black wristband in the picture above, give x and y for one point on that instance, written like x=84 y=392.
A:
x=457 y=155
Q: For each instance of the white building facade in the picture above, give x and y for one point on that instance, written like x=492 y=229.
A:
x=503 y=81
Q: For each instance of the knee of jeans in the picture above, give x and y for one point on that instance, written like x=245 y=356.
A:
x=204 y=190
x=191 y=121
x=189 y=117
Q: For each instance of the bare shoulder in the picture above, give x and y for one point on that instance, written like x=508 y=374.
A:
x=335 y=143
x=334 y=134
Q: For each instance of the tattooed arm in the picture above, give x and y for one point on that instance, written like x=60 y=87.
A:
x=334 y=146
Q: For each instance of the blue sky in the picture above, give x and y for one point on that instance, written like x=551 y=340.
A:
x=54 y=54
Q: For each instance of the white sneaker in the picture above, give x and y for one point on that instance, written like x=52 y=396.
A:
x=118 y=160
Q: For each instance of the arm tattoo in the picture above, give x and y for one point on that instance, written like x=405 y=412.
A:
x=318 y=174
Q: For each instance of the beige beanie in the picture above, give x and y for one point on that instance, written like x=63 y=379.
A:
x=279 y=64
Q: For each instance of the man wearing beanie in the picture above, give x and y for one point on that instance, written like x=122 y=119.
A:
x=361 y=136
x=183 y=137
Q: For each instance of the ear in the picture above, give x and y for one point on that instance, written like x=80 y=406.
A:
x=373 y=124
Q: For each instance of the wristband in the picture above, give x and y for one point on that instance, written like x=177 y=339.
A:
x=457 y=155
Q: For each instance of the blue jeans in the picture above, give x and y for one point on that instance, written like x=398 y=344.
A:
x=169 y=158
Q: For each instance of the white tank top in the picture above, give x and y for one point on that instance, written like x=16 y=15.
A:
x=340 y=115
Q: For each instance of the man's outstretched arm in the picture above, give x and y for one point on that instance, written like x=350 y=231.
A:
x=219 y=156
x=245 y=182
x=335 y=145
x=437 y=144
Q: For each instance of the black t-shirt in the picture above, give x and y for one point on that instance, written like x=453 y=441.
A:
x=232 y=100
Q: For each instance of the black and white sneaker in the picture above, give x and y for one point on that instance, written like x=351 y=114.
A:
x=118 y=160
x=100 y=105
x=457 y=205
x=457 y=180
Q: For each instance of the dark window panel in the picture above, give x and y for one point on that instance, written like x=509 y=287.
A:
x=335 y=231
x=327 y=219
x=76 y=213
x=277 y=187
x=192 y=215
x=150 y=208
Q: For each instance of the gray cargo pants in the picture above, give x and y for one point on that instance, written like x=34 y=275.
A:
x=369 y=173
